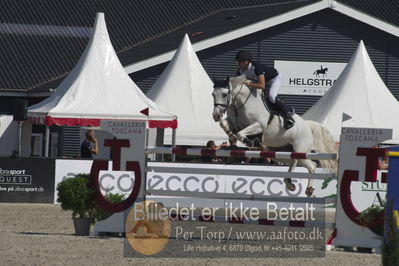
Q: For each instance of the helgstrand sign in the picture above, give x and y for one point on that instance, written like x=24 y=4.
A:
x=308 y=78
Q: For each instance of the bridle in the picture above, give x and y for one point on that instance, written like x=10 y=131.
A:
x=231 y=103
x=225 y=106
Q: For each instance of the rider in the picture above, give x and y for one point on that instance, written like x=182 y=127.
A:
x=264 y=77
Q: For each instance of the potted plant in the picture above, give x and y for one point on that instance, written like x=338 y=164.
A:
x=372 y=215
x=101 y=214
x=76 y=195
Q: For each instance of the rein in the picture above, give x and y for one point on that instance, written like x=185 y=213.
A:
x=234 y=99
x=232 y=103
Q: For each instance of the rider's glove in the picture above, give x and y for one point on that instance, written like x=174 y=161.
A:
x=247 y=82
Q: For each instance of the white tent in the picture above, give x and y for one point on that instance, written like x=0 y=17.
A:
x=359 y=93
x=185 y=89
x=98 y=88
x=9 y=136
x=5 y=121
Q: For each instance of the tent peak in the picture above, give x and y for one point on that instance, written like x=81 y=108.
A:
x=98 y=87
x=186 y=38
x=185 y=44
x=360 y=83
x=185 y=81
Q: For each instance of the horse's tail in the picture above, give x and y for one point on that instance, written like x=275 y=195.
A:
x=323 y=142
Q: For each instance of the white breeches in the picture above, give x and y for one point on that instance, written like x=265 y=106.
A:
x=273 y=86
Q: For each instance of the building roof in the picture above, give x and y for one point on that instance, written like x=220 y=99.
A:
x=213 y=25
x=42 y=40
x=386 y=10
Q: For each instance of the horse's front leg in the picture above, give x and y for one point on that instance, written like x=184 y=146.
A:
x=311 y=166
x=288 y=181
x=253 y=129
x=228 y=128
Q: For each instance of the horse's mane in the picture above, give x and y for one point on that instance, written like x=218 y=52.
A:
x=219 y=83
x=237 y=80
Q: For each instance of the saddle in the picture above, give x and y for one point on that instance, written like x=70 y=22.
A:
x=272 y=108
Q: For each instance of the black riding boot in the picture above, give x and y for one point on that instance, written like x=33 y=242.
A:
x=286 y=113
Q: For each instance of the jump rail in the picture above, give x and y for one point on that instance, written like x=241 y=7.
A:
x=243 y=153
x=287 y=223
x=234 y=196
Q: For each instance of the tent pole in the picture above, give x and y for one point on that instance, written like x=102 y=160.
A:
x=20 y=138
x=159 y=143
x=174 y=143
x=47 y=141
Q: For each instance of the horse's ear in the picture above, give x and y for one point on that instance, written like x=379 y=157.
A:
x=227 y=80
x=214 y=79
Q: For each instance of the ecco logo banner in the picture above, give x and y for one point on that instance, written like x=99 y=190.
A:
x=223 y=184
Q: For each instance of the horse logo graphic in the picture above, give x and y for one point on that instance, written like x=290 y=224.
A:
x=146 y=227
x=321 y=71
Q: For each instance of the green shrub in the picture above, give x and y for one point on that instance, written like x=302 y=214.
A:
x=370 y=214
x=75 y=194
x=101 y=214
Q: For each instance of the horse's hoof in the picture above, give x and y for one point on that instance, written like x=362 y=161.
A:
x=233 y=138
x=309 y=191
x=290 y=186
x=248 y=142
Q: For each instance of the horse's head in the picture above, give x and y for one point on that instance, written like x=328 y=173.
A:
x=221 y=98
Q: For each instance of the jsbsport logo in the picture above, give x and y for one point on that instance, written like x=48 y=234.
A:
x=238 y=185
x=12 y=176
x=15 y=179
x=12 y=172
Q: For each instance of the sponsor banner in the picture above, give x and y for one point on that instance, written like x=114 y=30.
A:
x=27 y=180
x=115 y=182
x=307 y=78
x=68 y=169
x=364 y=194
x=359 y=181
x=263 y=185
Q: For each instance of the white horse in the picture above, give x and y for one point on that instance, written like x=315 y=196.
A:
x=247 y=115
